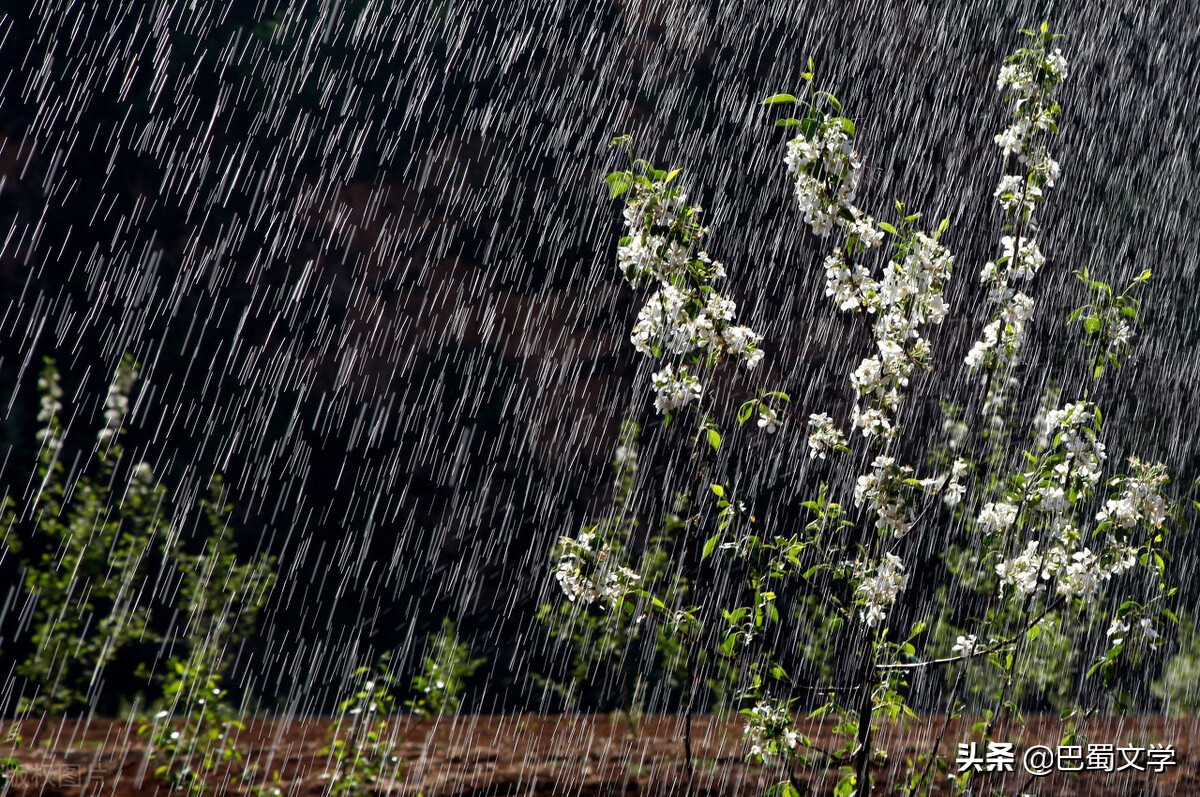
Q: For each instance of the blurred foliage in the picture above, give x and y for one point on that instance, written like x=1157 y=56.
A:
x=612 y=658
x=100 y=546
x=1179 y=685
x=362 y=748
x=446 y=667
x=190 y=753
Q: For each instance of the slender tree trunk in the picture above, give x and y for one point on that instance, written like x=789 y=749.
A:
x=862 y=765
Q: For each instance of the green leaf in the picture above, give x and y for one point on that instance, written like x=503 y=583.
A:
x=789 y=122
x=714 y=439
x=889 y=229
x=1033 y=633
x=847 y=125
x=618 y=183
x=718 y=490
x=710 y=546
x=779 y=99
x=745 y=411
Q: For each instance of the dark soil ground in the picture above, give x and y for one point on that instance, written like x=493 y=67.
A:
x=568 y=755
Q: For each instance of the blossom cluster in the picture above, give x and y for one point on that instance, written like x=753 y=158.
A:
x=909 y=296
x=1139 y=498
x=116 y=404
x=674 y=389
x=1069 y=470
x=768 y=418
x=1080 y=573
x=879 y=587
x=587 y=570
x=1072 y=470
x=881 y=489
x=685 y=317
x=954 y=489
x=1144 y=628
x=1084 y=454
x=51 y=405
x=770 y=730
x=826 y=169
x=965 y=644
x=997 y=516
x=1114 y=329
x=1030 y=78
x=824 y=436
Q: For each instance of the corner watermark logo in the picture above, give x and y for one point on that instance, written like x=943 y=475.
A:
x=1041 y=760
x=38 y=774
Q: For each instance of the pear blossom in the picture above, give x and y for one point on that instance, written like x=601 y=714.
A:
x=879 y=588
x=997 y=516
x=1139 y=500
x=965 y=644
x=673 y=389
x=770 y=730
x=587 y=571
x=824 y=437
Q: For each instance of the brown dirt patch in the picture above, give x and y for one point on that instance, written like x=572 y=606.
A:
x=567 y=755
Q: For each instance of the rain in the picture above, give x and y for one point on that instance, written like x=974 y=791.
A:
x=314 y=349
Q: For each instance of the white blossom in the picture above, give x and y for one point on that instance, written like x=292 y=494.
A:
x=1012 y=139
x=964 y=644
x=587 y=571
x=770 y=730
x=743 y=342
x=824 y=436
x=1023 y=262
x=955 y=489
x=1056 y=64
x=1016 y=193
x=878 y=589
x=1022 y=571
x=1139 y=500
x=997 y=516
x=674 y=390
x=1082 y=576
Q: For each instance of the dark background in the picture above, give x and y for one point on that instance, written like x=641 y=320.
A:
x=365 y=257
